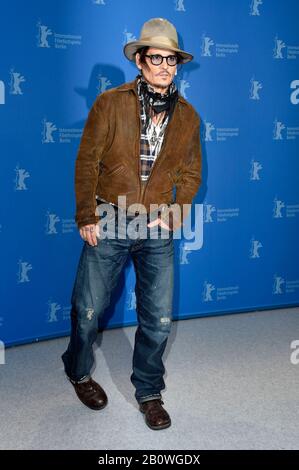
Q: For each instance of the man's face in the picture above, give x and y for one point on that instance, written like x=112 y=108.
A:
x=159 y=76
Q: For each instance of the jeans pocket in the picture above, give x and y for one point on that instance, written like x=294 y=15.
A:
x=167 y=231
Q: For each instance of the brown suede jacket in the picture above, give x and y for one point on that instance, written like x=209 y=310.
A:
x=108 y=160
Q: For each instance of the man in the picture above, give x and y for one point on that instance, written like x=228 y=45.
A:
x=141 y=140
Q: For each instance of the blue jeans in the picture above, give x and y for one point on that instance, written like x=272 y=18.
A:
x=97 y=275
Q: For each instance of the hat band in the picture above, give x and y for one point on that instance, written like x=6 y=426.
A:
x=161 y=40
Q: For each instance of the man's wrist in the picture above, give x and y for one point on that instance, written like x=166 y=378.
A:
x=89 y=221
x=171 y=215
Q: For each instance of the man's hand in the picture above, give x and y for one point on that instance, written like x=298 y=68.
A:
x=158 y=222
x=88 y=233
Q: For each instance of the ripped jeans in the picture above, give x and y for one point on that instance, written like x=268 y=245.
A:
x=97 y=275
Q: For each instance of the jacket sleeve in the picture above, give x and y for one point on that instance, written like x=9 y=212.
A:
x=188 y=181
x=90 y=150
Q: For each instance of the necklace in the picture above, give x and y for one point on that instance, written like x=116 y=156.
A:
x=154 y=131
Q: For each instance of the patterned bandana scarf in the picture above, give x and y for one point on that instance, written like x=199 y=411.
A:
x=155 y=101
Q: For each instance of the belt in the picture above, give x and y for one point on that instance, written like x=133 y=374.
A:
x=127 y=212
x=122 y=209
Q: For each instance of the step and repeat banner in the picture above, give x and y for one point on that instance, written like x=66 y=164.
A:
x=56 y=57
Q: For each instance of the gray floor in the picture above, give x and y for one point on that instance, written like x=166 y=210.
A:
x=230 y=384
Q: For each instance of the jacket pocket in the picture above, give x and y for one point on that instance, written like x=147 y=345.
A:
x=115 y=170
x=168 y=184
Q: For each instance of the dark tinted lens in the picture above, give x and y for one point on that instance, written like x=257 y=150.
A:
x=156 y=59
x=172 y=60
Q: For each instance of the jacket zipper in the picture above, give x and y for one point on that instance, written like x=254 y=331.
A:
x=138 y=144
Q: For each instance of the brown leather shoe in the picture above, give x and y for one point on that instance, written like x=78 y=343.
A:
x=91 y=394
x=156 y=417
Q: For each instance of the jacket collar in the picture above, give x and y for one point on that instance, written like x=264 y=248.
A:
x=133 y=86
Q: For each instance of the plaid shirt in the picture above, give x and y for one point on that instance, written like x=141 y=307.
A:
x=148 y=150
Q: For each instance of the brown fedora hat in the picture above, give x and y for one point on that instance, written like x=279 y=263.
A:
x=160 y=33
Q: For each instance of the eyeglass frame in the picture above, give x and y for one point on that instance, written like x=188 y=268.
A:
x=163 y=57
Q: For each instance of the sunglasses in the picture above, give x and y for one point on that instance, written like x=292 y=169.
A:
x=157 y=59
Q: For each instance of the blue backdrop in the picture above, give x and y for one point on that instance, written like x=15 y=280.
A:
x=56 y=56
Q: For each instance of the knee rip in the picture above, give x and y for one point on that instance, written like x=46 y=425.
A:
x=165 y=320
x=89 y=313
